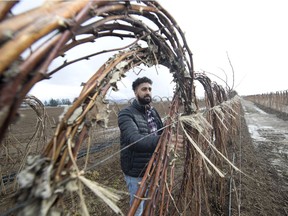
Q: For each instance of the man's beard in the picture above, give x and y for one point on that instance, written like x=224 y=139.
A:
x=144 y=100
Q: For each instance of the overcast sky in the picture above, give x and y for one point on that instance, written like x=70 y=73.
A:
x=252 y=32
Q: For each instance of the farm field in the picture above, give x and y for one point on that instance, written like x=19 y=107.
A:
x=261 y=153
x=65 y=160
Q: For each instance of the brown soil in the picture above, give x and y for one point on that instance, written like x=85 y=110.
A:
x=262 y=191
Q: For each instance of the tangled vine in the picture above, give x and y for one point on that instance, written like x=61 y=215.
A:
x=155 y=39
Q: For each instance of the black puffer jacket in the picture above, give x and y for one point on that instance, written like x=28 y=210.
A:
x=132 y=122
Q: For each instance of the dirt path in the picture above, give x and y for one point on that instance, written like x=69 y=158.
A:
x=265 y=160
x=271 y=133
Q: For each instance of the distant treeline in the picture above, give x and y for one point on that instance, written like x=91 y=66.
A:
x=57 y=102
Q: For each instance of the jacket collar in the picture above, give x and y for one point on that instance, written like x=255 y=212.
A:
x=140 y=107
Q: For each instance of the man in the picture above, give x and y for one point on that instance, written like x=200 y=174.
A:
x=136 y=122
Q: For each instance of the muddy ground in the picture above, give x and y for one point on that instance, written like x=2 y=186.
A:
x=261 y=153
x=264 y=154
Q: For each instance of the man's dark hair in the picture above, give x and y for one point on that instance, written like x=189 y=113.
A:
x=139 y=81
